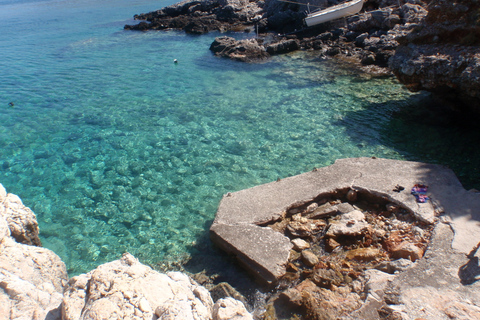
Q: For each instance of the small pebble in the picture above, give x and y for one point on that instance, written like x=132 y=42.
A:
x=312 y=207
x=300 y=244
x=144 y=305
x=352 y=196
x=309 y=258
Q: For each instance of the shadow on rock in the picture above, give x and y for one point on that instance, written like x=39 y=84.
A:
x=469 y=273
x=420 y=129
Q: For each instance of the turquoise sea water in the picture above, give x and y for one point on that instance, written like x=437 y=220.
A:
x=116 y=148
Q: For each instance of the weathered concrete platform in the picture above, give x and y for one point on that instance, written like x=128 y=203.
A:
x=237 y=226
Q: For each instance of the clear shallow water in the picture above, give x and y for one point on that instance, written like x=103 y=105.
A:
x=116 y=148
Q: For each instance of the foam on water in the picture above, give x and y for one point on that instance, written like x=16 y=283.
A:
x=116 y=148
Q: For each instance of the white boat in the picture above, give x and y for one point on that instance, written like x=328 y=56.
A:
x=339 y=11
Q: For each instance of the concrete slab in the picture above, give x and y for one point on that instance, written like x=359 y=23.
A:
x=238 y=223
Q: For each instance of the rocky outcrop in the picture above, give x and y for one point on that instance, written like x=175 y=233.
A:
x=441 y=54
x=199 y=17
x=31 y=281
x=251 y=50
x=283 y=46
x=230 y=309
x=369 y=37
x=248 y=50
x=126 y=288
x=31 y=278
x=22 y=222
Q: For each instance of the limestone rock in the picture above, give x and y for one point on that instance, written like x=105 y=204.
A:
x=4 y=229
x=22 y=222
x=327 y=210
x=283 y=46
x=331 y=244
x=364 y=254
x=309 y=258
x=230 y=309
x=31 y=281
x=3 y=193
x=285 y=18
x=300 y=244
x=320 y=303
x=305 y=227
x=407 y=250
x=395 y=265
x=349 y=224
x=326 y=277
x=203 y=16
x=126 y=288
x=292 y=296
x=377 y=282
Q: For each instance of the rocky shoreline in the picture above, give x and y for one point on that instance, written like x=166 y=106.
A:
x=369 y=37
x=347 y=241
x=429 y=45
x=34 y=283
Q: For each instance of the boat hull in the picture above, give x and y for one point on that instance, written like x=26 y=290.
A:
x=335 y=12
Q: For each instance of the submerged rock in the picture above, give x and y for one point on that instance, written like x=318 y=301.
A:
x=225 y=290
